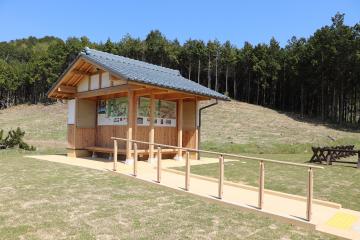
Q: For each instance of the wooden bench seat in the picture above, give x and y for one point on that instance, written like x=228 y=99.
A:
x=110 y=151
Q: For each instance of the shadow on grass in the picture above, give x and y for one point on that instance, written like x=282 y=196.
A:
x=319 y=122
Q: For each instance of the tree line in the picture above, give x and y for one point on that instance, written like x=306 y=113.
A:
x=318 y=76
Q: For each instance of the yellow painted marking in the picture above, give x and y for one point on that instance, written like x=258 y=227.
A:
x=342 y=220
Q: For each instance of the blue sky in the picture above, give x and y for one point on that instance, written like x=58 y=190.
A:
x=238 y=21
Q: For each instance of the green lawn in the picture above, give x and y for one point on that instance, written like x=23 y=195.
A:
x=337 y=183
x=45 y=200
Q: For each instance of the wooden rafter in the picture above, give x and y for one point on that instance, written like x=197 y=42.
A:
x=78 y=78
x=80 y=72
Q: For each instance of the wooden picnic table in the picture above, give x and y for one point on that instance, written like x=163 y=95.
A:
x=334 y=154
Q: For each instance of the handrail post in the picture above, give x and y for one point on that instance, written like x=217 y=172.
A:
x=261 y=185
x=187 y=173
x=221 y=177
x=309 y=194
x=115 y=155
x=135 y=160
x=159 y=164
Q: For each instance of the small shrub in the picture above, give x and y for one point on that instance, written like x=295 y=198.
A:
x=14 y=139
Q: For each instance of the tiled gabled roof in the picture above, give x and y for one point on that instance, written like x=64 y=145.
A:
x=147 y=73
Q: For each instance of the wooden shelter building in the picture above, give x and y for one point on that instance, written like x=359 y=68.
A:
x=114 y=96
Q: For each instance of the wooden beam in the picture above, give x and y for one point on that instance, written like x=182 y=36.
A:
x=66 y=89
x=100 y=79
x=174 y=96
x=63 y=94
x=149 y=91
x=106 y=91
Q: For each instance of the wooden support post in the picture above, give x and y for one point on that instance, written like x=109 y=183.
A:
x=130 y=124
x=261 y=185
x=152 y=128
x=180 y=128
x=159 y=165
x=309 y=194
x=115 y=155
x=221 y=177
x=197 y=132
x=187 y=173
x=135 y=159
x=358 y=163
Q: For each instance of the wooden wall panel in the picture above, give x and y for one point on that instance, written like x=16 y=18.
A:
x=104 y=134
x=120 y=131
x=85 y=137
x=142 y=134
x=166 y=135
x=70 y=136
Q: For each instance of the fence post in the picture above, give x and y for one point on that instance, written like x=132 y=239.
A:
x=221 y=177
x=309 y=194
x=135 y=159
x=115 y=154
x=159 y=164
x=358 y=164
x=261 y=184
x=187 y=173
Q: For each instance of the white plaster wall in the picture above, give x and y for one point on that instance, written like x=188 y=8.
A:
x=105 y=80
x=83 y=85
x=71 y=111
x=94 y=82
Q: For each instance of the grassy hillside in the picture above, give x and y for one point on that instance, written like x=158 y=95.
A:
x=45 y=126
x=242 y=127
x=229 y=126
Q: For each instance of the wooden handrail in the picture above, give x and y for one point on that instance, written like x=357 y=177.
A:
x=310 y=184
x=223 y=154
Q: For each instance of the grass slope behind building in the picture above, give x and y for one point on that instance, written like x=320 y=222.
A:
x=239 y=127
x=235 y=127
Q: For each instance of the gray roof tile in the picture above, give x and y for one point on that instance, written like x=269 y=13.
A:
x=147 y=73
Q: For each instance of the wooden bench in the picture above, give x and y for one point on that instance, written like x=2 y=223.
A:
x=110 y=151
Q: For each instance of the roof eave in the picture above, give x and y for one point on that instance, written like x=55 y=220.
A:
x=55 y=84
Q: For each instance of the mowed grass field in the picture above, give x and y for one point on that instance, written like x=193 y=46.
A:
x=43 y=200
x=46 y=200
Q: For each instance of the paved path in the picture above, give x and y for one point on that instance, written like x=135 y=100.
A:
x=327 y=217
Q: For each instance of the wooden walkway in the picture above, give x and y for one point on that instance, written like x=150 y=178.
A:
x=327 y=217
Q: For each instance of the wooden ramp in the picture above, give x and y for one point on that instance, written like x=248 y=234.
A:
x=327 y=217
